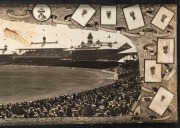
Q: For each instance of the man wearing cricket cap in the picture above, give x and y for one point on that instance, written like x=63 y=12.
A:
x=41 y=16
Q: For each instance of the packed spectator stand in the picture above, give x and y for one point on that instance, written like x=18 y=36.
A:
x=46 y=53
x=114 y=99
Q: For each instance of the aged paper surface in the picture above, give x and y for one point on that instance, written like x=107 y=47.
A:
x=74 y=64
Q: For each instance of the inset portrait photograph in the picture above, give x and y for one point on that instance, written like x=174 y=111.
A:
x=41 y=12
x=165 y=51
x=108 y=15
x=152 y=71
x=133 y=16
x=161 y=101
x=162 y=18
x=83 y=14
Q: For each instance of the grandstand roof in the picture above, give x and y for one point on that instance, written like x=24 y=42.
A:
x=128 y=57
x=128 y=51
x=122 y=60
x=17 y=56
x=107 y=48
x=81 y=49
x=90 y=48
x=118 y=45
x=106 y=60
x=38 y=48
x=69 y=49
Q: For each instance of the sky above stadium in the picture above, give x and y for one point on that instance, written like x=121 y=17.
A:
x=65 y=36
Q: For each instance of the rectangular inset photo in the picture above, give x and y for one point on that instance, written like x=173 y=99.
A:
x=83 y=14
x=162 y=18
x=133 y=16
x=165 y=51
x=161 y=101
x=108 y=15
x=152 y=71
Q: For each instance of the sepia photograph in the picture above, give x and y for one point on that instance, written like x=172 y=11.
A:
x=165 y=53
x=163 y=17
x=41 y=12
x=108 y=15
x=161 y=101
x=133 y=17
x=87 y=64
x=152 y=71
x=83 y=14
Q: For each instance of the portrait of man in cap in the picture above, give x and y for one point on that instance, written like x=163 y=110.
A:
x=41 y=16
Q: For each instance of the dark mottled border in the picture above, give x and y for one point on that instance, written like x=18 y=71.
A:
x=91 y=1
x=131 y=125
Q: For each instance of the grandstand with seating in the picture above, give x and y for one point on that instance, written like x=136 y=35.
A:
x=91 y=54
x=114 y=99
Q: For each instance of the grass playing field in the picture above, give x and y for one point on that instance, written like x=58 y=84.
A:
x=25 y=83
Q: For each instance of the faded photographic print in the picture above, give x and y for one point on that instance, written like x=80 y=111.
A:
x=152 y=71
x=165 y=51
x=88 y=64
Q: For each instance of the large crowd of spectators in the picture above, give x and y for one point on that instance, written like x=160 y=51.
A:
x=5 y=58
x=46 y=53
x=130 y=67
x=78 y=55
x=115 y=99
x=82 y=55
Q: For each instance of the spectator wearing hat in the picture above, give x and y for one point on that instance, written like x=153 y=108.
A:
x=41 y=16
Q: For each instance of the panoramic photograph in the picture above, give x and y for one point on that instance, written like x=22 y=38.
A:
x=87 y=64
